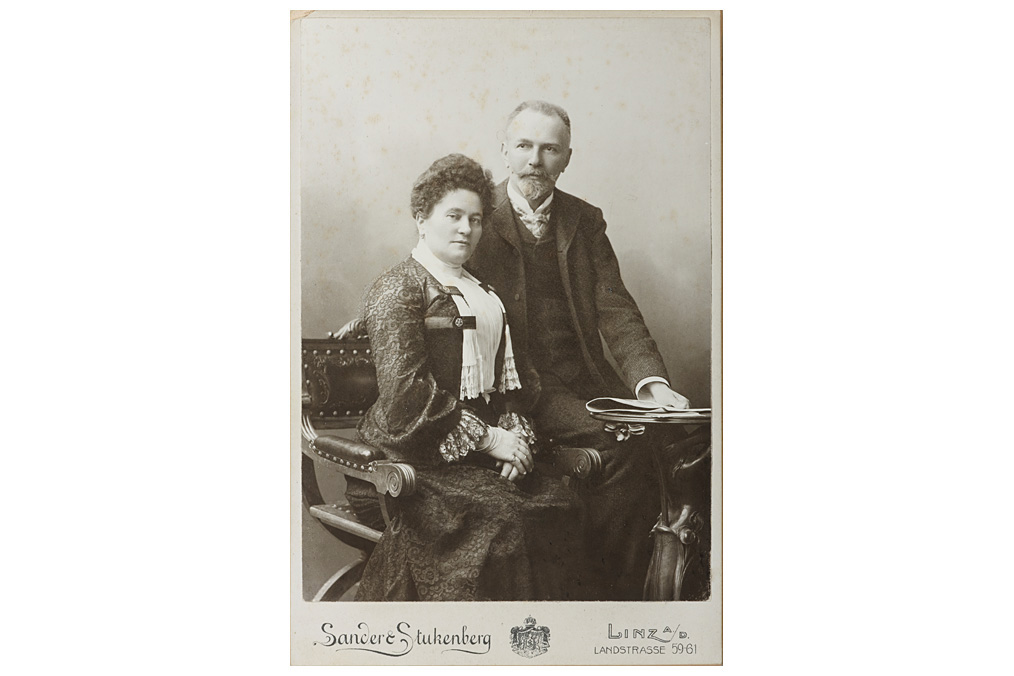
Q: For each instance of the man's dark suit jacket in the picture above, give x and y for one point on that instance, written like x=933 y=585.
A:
x=590 y=275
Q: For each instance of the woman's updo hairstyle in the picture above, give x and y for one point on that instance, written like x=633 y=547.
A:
x=454 y=172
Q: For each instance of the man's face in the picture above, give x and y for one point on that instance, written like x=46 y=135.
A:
x=537 y=150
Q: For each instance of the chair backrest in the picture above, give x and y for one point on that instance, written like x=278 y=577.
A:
x=340 y=378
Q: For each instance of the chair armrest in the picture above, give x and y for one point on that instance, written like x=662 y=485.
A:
x=366 y=462
x=576 y=462
x=348 y=452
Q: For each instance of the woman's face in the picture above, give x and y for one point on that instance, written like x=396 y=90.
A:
x=454 y=227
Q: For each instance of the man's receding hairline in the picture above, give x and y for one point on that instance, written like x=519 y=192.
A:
x=543 y=107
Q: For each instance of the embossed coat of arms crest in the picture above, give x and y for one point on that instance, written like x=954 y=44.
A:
x=528 y=640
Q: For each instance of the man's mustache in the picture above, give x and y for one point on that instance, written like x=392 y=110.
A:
x=536 y=173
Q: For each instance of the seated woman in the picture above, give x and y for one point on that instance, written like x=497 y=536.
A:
x=486 y=522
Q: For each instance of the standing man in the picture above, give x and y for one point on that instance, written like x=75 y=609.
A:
x=547 y=254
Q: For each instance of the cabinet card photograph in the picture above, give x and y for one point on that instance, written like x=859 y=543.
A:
x=506 y=234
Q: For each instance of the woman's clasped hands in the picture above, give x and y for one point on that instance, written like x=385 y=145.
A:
x=510 y=450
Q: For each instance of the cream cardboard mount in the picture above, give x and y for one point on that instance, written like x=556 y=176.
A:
x=375 y=98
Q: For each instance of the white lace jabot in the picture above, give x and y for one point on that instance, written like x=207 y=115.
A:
x=479 y=346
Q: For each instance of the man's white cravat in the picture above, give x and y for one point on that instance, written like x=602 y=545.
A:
x=536 y=221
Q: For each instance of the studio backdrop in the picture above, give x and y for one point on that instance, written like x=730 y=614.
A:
x=381 y=98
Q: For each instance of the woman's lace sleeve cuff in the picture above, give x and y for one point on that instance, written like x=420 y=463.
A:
x=519 y=425
x=463 y=438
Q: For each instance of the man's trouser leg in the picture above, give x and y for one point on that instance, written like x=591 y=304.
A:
x=622 y=501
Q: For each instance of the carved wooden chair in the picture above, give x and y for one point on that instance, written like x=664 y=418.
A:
x=339 y=384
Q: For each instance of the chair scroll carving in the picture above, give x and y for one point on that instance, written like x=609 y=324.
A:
x=397 y=478
x=577 y=462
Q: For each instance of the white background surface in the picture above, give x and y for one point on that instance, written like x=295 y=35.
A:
x=866 y=346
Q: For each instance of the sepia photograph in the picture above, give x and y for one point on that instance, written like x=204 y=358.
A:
x=508 y=329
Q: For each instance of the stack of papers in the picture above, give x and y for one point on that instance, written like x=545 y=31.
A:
x=637 y=411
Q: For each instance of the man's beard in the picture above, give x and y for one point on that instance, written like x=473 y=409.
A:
x=536 y=185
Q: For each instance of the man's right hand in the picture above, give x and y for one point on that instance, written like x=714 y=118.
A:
x=662 y=394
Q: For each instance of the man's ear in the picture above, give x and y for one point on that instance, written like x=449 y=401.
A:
x=503 y=153
x=570 y=152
